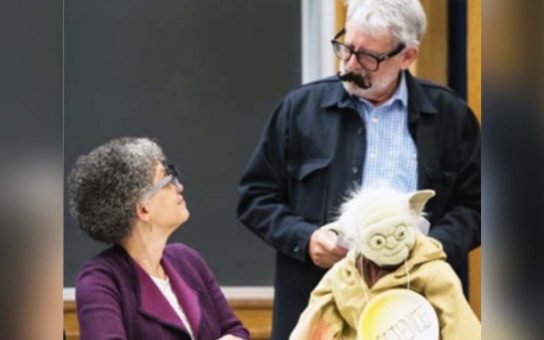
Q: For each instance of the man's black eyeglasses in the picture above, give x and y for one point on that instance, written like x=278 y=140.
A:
x=367 y=61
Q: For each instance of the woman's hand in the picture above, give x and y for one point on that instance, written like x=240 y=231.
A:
x=230 y=337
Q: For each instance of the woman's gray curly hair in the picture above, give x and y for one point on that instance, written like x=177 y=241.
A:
x=106 y=184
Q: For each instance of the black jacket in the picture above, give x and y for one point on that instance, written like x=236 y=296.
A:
x=309 y=157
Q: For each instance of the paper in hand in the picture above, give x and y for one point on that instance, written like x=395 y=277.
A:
x=423 y=225
x=344 y=241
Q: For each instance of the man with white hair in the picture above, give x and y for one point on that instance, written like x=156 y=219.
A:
x=373 y=123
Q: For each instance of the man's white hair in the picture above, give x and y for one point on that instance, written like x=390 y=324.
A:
x=404 y=19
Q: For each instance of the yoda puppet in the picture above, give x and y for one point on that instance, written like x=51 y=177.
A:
x=388 y=252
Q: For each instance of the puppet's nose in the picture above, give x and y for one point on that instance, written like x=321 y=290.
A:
x=391 y=242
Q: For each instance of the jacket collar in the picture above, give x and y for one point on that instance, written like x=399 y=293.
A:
x=418 y=102
x=338 y=96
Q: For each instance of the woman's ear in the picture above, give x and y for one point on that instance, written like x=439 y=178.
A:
x=142 y=212
x=418 y=200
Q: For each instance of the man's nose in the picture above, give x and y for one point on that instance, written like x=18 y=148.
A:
x=352 y=62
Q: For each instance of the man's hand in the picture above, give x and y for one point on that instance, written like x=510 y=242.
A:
x=323 y=248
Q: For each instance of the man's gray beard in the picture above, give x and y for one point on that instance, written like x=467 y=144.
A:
x=352 y=88
x=355 y=90
x=369 y=93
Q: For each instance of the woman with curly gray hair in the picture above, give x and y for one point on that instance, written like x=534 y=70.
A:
x=123 y=193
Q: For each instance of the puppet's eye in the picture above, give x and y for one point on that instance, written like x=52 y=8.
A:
x=400 y=232
x=377 y=242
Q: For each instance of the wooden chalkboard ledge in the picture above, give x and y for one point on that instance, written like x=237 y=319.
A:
x=253 y=305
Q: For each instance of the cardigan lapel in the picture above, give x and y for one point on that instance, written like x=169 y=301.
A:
x=187 y=296
x=154 y=305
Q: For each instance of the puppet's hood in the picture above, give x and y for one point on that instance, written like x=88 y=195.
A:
x=426 y=249
x=349 y=288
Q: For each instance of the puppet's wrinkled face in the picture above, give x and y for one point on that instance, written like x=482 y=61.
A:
x=387 y=242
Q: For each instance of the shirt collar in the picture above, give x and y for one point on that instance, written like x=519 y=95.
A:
x=402 y=90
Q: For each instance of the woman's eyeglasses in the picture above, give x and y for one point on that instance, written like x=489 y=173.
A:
x=172 y=176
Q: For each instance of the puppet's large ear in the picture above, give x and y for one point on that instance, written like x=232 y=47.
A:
x=418 y=200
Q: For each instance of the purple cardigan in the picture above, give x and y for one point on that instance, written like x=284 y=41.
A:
x=116 y=299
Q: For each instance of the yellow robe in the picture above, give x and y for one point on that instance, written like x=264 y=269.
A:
x=338 y=301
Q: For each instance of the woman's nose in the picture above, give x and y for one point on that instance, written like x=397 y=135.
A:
x=178 y=185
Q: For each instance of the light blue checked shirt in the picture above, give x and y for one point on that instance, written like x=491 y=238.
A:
x=391 y=154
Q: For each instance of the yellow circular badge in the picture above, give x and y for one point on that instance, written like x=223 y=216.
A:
x=398 y=314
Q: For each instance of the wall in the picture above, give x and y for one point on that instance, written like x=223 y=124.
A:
x=201 y=77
